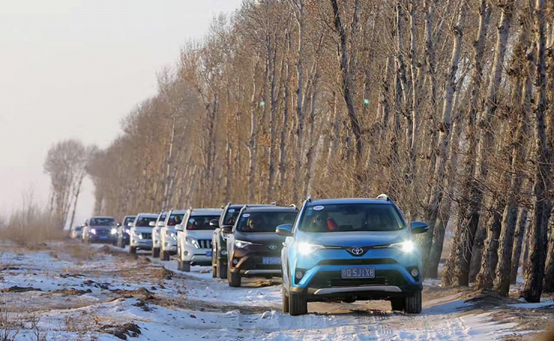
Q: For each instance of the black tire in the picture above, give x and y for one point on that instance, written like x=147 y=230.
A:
x=133 y=250
x=412 y=303
x=234 y=279
x=214 y=265
x=164 y=255
x=183 y=266
x=298 y=305
x=285 y=302
x=221 y=269
x=155 y=252
x=397 y=303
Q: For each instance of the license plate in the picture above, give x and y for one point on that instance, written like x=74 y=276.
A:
x=357 y=272
x=271 y=260
x=209 y=253
x=103 y=237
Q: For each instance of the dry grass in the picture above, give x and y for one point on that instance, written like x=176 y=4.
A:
x=31 y=225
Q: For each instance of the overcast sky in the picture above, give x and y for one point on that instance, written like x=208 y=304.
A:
x=74 y=68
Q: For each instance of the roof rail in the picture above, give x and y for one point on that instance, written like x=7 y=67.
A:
x=309 y=199
x=293 y=206
x=274 y=203
x=383 y=197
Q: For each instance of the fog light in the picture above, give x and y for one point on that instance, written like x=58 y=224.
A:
x=299 y=274
x=235 y=261
x=224 y=252
x=186 y=253
x=414 y=272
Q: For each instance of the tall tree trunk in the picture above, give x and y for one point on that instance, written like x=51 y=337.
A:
x=534 y=272
x=519 y=236
x=458 y=263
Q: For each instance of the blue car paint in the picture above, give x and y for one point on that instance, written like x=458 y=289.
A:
x=401 y=261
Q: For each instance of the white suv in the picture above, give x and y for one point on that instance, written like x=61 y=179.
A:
x=156 y=234
x=141 y=232
x=168 y=234
x=194 y=237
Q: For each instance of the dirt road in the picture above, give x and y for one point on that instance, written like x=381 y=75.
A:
x=69 y=291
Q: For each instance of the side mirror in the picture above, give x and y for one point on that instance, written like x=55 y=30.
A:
x=419 y=227
x=227 y=228
x=179 y=227
x=152 y=224
x=130 y=224
x=214 y=223
x=161 y=223
x=118 y=224
x=284 y=230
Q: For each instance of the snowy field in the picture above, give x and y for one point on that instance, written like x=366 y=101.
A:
x=78 y=292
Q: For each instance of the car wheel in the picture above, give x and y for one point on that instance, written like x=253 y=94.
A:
x=133 y=250
x=155 y=252
x=412 y=303
x=164 y=255
x=285 y=302
x=397 y=303
x=183 y=266
x=298 y=305
x=221 y=269
x=234 y=279
x=214 y=265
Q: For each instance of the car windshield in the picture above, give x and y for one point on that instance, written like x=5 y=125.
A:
x=78 y=229
x=264 y=221
x=145 y=221
x=128 y=220
x=201 y=222
x=351 y=218
x=102 y=222
x=231 y=216
x=175 y=219
x=161 y=217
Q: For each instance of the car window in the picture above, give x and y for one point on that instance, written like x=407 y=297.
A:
x=351 y=217
x=145 y=221
x=128 y=220
x=264 y=221
x=201 y=222
x=231 y=216
x=102 y=222
x=78 y=229
x=175 y=219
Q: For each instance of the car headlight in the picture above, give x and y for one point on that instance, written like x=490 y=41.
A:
x=241 y=244
x=192 y=241
x=407 y=246
x=170 y=234
x=307 y=248
x=127 y=231
x=93 y=231
x=113 y=231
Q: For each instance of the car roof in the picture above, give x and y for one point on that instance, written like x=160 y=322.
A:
x=179 y=211
x=339 y=201
x=102 y=217
x=148 y=215
x=205 y=211
x=253 y=205
x=130 y=216
x=251 y=209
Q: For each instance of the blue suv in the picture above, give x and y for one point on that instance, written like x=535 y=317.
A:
x=348 y=250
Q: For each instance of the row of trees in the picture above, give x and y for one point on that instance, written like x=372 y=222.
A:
x=444 y=105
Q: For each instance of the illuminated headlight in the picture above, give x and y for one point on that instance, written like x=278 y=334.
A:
x=241 y=244
x=224 y=252
x=127 y=231
x=113 y=231
x=192 y=241
x=407 y=246
x=93 y=231
x=307 y=248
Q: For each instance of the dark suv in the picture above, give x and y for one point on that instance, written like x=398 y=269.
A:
x=123 y=231
x=219 y=238
x=254 y=248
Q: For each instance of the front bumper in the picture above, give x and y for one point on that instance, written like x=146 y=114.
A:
x=170 y=245
x=251 y=262
x=322 y=275
x=197 y=256
x=141 y=244
x=102 y=239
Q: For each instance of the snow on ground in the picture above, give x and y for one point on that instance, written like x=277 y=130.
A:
x=91 y=294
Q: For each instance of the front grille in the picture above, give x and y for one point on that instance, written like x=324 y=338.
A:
x=326 y=279
x=102 y=232
x=357 y=261
x=205 y=243
x=146 y=235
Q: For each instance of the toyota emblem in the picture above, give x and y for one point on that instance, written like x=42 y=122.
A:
x=272 y=247
x=357 y=251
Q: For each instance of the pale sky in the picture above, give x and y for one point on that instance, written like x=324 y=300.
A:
x=74 y=68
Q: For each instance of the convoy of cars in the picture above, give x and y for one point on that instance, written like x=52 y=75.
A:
x=328 y=250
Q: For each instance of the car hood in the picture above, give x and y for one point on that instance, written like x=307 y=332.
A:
x=143 y=229
x=260 y=237
x=345 y=239
x=102 y=227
